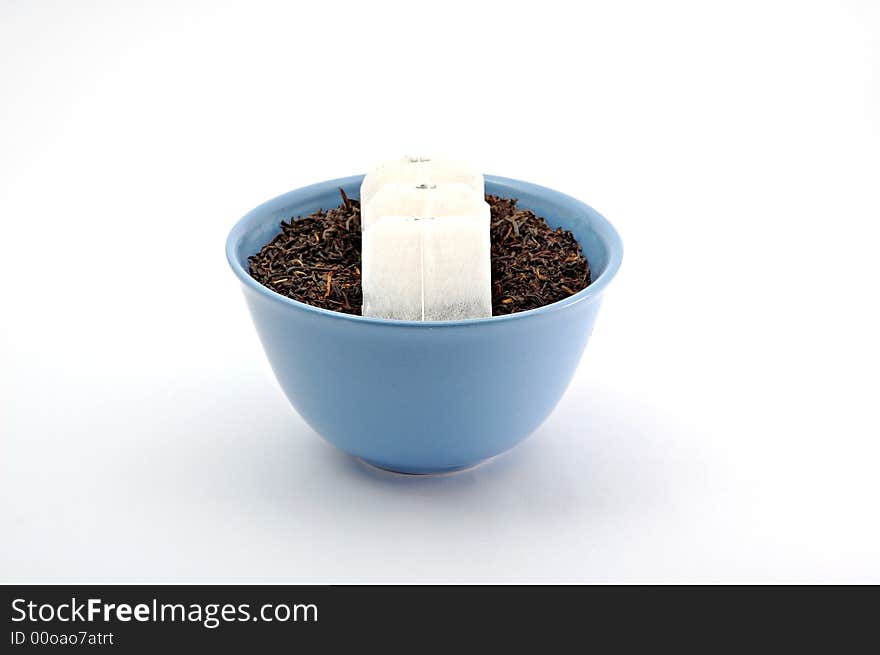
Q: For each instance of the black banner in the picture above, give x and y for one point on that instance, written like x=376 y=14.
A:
x=148 y=618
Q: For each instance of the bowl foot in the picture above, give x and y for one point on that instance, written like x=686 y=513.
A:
x=422 y=472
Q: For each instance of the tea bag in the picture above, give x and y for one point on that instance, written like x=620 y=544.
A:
x=423 y=201
x=426 y=269
x=425 y=252
x=417 y=171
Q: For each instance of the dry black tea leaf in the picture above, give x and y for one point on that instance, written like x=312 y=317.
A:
x=532 y=264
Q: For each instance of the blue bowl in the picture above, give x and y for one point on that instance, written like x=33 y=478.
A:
x=425 y=397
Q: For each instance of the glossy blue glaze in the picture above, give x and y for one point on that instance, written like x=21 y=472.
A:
x=425 y=397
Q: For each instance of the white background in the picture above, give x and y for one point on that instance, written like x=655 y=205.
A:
x=723 y=425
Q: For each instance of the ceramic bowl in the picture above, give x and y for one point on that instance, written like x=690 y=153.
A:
x=426 y=397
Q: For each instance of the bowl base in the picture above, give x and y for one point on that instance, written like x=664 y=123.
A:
x=422 y=472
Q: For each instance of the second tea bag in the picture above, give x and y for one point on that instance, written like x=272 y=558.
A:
x=416 y=171
x=423 y=201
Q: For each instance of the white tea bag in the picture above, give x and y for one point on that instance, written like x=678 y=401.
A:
x=423 y=201
x=418 y=171
x=425 y=242
x=426 y=269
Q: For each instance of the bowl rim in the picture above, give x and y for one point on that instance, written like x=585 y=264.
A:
x=599 y=224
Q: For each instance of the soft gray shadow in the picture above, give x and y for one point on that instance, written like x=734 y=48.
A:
x=602 y=457
x=219 y=479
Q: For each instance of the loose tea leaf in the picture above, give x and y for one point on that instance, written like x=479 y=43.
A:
x=532 y=264
x=317 y=259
